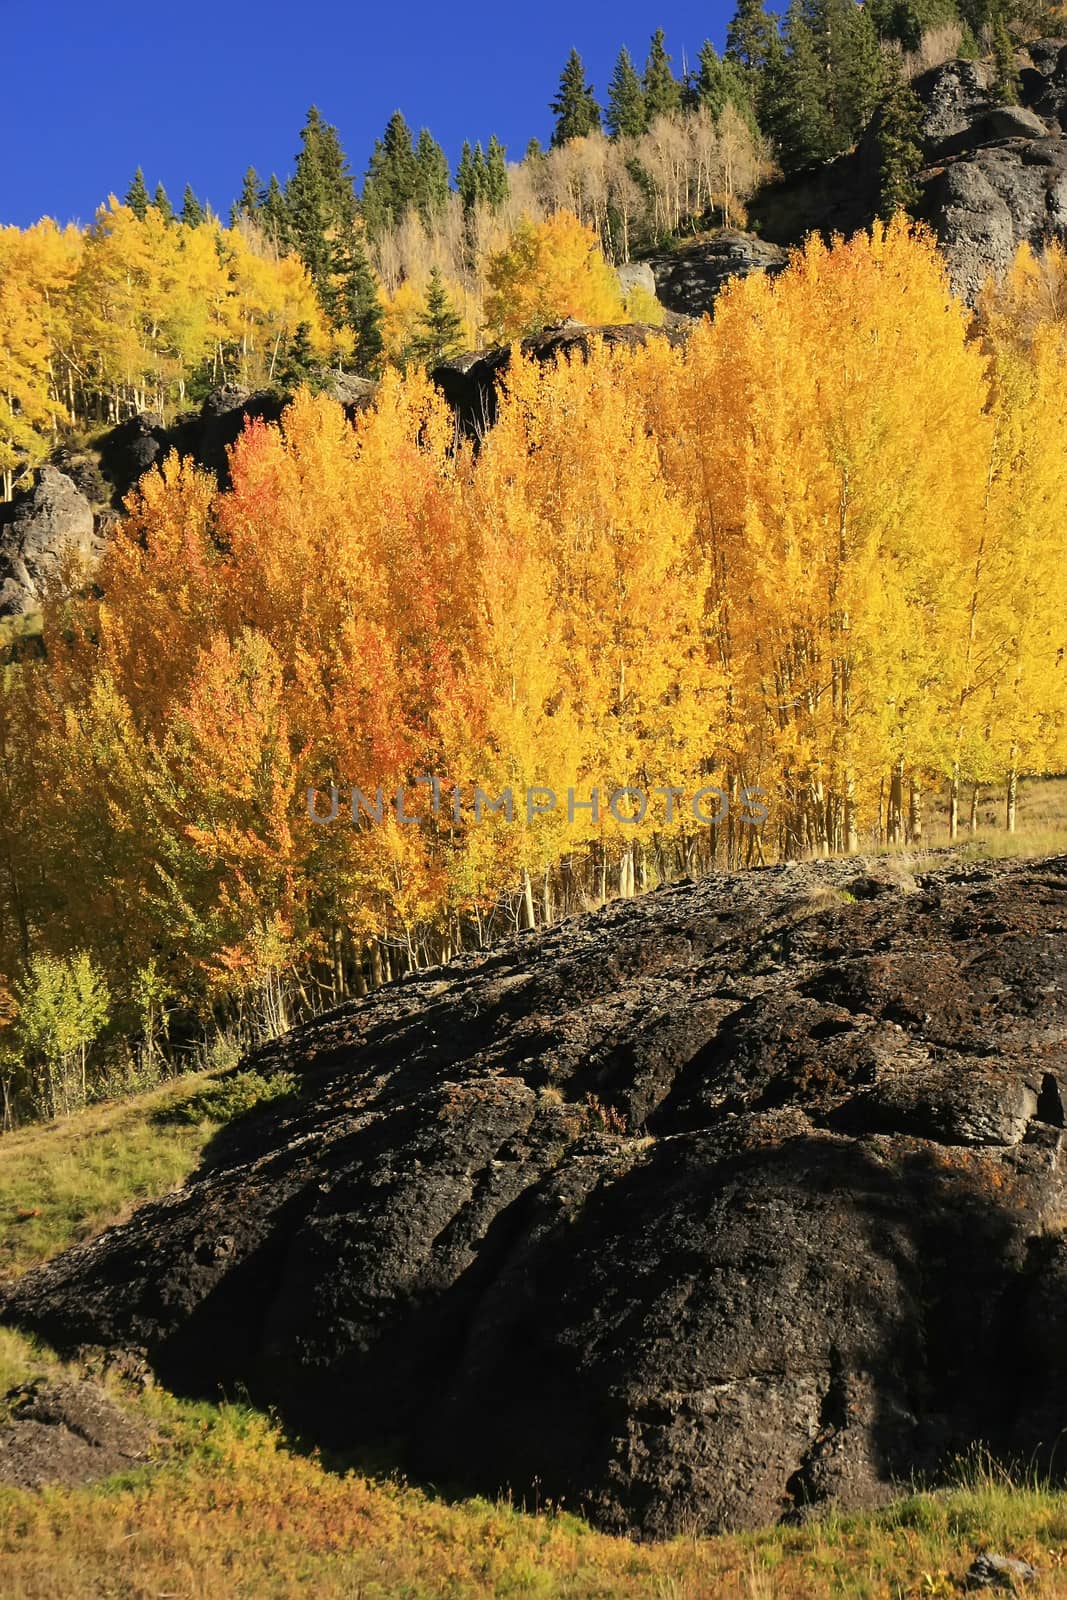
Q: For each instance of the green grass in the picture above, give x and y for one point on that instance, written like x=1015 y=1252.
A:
x=64 y=1181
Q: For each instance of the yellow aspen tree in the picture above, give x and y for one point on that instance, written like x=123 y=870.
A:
x=547 y=272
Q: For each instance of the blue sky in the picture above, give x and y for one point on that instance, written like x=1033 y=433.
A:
x=193 y=93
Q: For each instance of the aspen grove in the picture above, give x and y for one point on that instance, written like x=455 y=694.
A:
x=820 y=550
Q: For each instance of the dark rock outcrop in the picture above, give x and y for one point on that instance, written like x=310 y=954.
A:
x=995 y=175
x=469 y=382
x=698 y=1212
x=46 y=536
x=128 y=450
x=688 y=280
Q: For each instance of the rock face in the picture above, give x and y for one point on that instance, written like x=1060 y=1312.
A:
x=130 y=449
x=469 y=382
x=688 y=280
x=46 y=534
x=697 y=1212
x=995 y=175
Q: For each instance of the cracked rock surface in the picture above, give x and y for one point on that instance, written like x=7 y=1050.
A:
x=694 y=1213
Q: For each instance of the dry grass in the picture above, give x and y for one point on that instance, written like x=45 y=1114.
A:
x=231 y=1512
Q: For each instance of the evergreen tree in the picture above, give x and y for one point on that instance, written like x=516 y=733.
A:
x=440 y=327
x=899 y=145
x=192 y=210
x=137 y=196
x=299 y=364
x=720 y=82
x=854 y=70
x=468 y=177
x=575 y=108
x=391 y=184
x=273 y=213
x=497 y=186
x=162 y=204
x=1005 y=76
x=663 y=93
x=319 y=199
x=534 y=151
x=625 y=117
x=793 y=99
x=750 y=36
x=352 y=300
x=431 y=177
x=249 y=203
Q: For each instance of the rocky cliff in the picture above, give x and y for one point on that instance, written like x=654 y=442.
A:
x=994 y=176
x=697 y=1212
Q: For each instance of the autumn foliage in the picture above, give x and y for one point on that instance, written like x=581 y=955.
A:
x=820 y=550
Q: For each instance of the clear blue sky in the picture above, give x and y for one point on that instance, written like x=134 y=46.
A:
x=194 y=93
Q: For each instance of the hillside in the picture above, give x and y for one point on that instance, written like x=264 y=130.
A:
x=731 y=1203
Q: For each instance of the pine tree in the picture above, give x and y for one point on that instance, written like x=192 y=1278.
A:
x=468 y=177
x=353 y=302
x=720 y=82
x=192 y=210
x=1005 y=76
x=162 y=204
x=626 y=117
x=497 y=186
x=533 y=151
x=848 y=49
x=319 y=198
x=391 y=185
x=249 y=203
x=575 y=108
x=663 y=94
x=137 y=196
x=431 y=178
x=793 y=101
x=750 y=35
x=440 y=327
x=299 y=364
x=899 y=146
x=273 y=213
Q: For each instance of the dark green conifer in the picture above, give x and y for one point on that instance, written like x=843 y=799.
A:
x=440 y=327
x=137 y=196
x=750 y=36
x=391 y=185
x=574 y=108
x=468 y=177
x=192 y=211
x=625 y=116
x=496 y=184
x=273 y=214
x=1005 y=75
x=352 y=301
x=162 y=204
x=899 y=146
x=299 y=364
x=663 y=92
x=432 y=187
x=320 y=201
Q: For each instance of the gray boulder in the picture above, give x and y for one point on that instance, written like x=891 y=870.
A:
x=1013 y=122
x=635 y=275
x=953 y=97
x=46 y=538
x=984 y=205
x=689 y=280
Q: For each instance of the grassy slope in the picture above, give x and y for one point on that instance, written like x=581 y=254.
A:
x=231 y=1510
